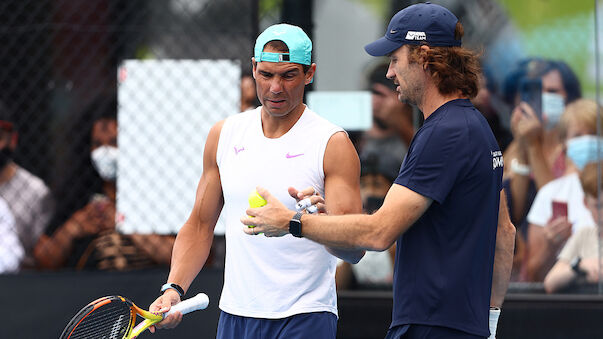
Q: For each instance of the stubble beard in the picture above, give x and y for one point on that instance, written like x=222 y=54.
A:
x=412 y=95
x=413 y=92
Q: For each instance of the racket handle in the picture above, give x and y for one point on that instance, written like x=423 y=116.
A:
x=198 y=302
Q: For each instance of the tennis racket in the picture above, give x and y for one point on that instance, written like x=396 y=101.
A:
x=113 y=317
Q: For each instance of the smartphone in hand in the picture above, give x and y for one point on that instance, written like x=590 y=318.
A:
x=559 y=209
x=530 y=92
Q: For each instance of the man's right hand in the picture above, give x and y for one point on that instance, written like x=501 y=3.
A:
x=163 y=304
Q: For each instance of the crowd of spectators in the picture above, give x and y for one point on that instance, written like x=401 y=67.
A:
x=549 y=142
x=548 y=136
x=88 y=239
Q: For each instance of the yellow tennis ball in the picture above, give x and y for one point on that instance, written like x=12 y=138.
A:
x=255 y=200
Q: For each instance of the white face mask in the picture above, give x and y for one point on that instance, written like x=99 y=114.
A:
x=553 y=106
x=104 y=160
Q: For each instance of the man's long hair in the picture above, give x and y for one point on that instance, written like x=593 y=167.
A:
x=452 y=68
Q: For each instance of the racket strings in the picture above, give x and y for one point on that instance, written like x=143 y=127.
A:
x=109 y=321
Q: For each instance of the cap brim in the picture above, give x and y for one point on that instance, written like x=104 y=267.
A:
x=382 y=47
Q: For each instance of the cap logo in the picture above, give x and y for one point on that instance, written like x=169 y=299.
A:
x=412 y=35
x=417 y=24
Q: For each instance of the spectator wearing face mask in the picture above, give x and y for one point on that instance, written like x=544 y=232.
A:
x=536 y=154
x=375 y=269
x=578 y=261
x=550 y=228
x=89 y=239
x=27 y=197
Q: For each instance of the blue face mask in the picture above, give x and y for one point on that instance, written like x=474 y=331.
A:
x=553 y=106
x=582 y=150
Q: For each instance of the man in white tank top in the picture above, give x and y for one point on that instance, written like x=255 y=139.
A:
x=273 y=287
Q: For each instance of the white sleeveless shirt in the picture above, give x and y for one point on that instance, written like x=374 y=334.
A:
x=273 y=277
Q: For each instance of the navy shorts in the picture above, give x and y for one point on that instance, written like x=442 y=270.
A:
x=319 y=325
x=427 y=332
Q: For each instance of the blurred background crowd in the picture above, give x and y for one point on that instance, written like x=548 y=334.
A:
x=59 y=112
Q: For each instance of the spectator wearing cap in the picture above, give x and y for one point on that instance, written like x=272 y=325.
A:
x=28 y=198
x=446 y=208
x=376 y=269
x=392 y=128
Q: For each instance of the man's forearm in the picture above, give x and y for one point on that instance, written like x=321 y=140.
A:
x=503 y=255
x=352 y=231
x=503 y=263
x=190 y=252
x=377 y=232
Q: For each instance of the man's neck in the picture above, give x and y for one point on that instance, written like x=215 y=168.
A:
x=8 y=172
x=433 y=99
x=275 y=127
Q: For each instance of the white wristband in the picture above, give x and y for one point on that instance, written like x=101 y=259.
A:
x=520 y=169
x=493 y=321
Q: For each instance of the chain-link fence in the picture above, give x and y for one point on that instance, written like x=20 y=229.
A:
x=88 y=82
x=167 y=70
x=60 y=106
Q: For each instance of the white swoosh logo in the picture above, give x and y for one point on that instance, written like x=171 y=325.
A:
x=391 y=31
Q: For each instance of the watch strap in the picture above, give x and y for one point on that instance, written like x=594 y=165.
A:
x=173 y=286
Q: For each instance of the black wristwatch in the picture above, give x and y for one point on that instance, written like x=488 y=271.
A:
x=295 y=227
x=576 y=266
x=173 y=286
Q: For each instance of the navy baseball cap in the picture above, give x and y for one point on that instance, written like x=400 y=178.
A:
x=426 y=23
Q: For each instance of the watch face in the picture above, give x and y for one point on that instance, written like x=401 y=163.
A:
x=295 y=228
